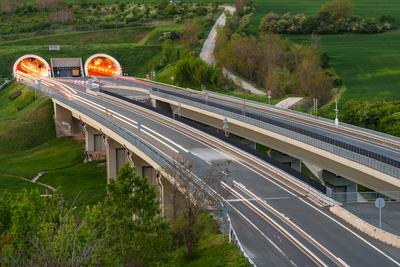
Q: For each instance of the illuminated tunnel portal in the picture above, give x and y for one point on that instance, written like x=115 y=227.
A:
x=101 y=65
x=32 y=65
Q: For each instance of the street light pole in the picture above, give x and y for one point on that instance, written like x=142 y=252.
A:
x=337 y=114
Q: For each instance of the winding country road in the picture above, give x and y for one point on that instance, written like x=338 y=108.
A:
x=207 y=54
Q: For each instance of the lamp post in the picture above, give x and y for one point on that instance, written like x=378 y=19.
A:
x=337 y=115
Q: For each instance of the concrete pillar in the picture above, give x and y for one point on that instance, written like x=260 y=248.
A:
x=163 y=106
x=171 y=199
x=116 y=157
x=66 y=124
x=285 y=159
x=93 y=139
x=341 y=189
x=63 y=120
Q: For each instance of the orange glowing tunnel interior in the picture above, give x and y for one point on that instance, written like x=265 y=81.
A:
x=102 y=66
x=32 y=66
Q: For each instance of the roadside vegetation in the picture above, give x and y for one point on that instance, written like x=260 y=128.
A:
x=34 y=227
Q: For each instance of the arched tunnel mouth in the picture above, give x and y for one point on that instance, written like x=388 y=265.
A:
x=32 y=65
x=102 y=65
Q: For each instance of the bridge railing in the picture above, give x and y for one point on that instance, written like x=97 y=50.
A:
x=240 y=100
x=334 y=148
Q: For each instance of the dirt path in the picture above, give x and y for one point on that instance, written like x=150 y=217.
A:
x=31 y=181
x=207 y=54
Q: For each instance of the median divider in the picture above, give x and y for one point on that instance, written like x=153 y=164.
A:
x=366 y=228
x=297 y=182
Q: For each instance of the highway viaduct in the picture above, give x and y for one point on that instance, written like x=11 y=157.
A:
x=297 y=229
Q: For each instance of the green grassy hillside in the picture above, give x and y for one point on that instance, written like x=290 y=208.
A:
x=28 y=146
x=368 y=64
x=363 y=8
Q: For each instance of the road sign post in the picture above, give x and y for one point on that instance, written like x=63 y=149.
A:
x=380 y=203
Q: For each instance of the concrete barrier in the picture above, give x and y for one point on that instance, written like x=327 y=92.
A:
x=366 y=228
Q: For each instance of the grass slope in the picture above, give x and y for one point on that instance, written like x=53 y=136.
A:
x=14 y=185
x=28 y=146
x=363 y=8
x=27 y=127
x=368 y=64
x=113 y=36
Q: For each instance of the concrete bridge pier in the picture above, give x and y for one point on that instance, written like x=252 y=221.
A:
x=116 y=157
x=285 y=159
x=163 y=106
x=66 y=124
x=94 y=145
x=339 y=188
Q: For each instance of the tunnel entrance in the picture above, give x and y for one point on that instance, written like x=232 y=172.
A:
x=32 y=65
x=102 y=65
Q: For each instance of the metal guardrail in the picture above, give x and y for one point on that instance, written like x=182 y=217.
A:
x=239 y=100
x=222 y=137
x=359 y=155
x=233 y=238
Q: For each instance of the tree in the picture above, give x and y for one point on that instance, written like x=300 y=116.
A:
x=124 y=228
x=190 y=33
x=196 y=193
x=133 y=221
x=240 y=6
x=169 y=52
x=337 y=9
x=312 y=80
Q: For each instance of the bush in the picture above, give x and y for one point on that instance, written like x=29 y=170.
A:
x=190 y=70
x=326 y=23
x=380 y=116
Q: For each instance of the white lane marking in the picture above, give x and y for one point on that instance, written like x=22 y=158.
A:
x=326 y=215
x=47 y=83
x=277 y=226
x=165 y=138
x=159 y=140
x=309 y=204
x=354 y=233
x=261 y=232
x=124 y=119
x=291 y=224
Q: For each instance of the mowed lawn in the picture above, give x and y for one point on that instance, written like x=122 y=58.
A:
x=368 y=64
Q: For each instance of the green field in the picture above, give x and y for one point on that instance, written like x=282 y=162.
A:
x=368 y=64
x=363 y=8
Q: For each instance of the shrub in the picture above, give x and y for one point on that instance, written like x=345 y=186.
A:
x=386 y=19
x=323 y=24
x=192 y=70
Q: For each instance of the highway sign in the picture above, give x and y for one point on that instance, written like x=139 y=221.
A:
x=379 y=203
